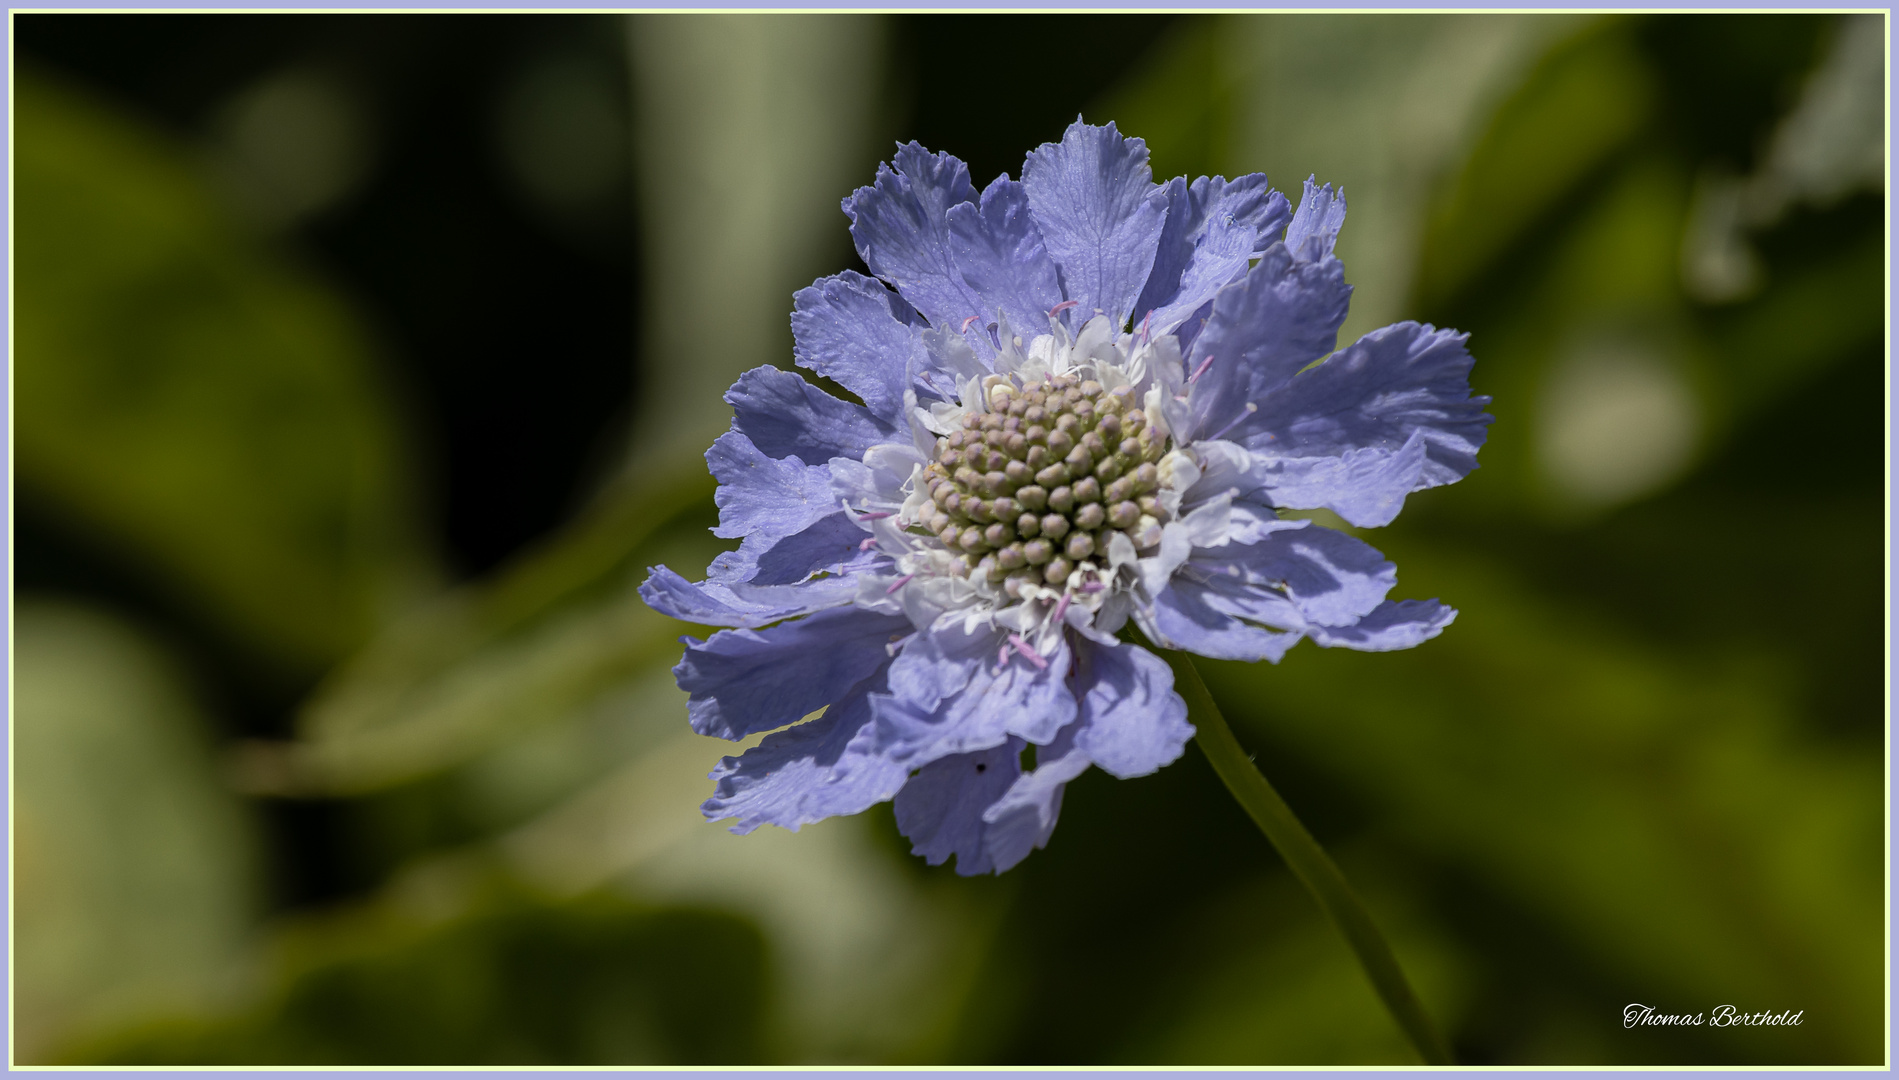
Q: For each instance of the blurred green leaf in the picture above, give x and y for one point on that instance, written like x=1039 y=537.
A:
x=518 y=981
x=211 y=412
x=1580 y=105
x=557 y=629
x=135 y=870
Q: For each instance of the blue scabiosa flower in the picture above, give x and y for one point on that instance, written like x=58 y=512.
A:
x=1085 y=399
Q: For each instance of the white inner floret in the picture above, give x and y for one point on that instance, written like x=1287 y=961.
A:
x=1042 y=497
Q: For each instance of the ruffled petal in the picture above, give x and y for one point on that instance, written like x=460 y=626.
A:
x=712 y=603
x=1213 y=227
x=1396 y=624
x=1389 y=415
x=954 y=691
x=901 y=226
x=1101 y=214
x=1200 y=618
x=1002 y=257
x=831 y=545
x=852 y=329
x=746 y=681
x=1130 y=722
x=760 y=495
x=941 y=808
x=1024 y=817
x=1280 y=317
x=785 y=416
x=1315 y=228
x=1329 y=578
x=808 y=772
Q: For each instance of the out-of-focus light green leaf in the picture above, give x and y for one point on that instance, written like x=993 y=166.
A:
x=750 y=129
x=208 y=411
x=1382 y=106
x=134 y=869
x=1385 y=107
x=1582 y=103
x=557 y=629
x=517 y=980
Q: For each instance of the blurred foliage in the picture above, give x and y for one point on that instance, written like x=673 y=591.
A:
x=517 y=981
x=134 y=870
x=214 y=414
x=1644 y=764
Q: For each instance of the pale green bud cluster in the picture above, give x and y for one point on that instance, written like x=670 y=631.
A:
x=1031 y=489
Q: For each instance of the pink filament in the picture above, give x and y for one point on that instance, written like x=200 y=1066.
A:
x=1028 y=654
x=869 y=542
x=898 y=584
x=874 y=515
x=969 y=320
x=1201 y=370
x=1063 y=306
x=1092 y=586
x=1061 y=609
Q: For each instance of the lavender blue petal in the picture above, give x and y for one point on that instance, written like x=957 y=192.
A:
x=746 y=681
x=1002 y=258
x=901 y=226
x=847 y=327
x=1280 y=317
x=1213 y=226
x=1195 y=616
x=785 y=416
x=1100 y=213
x=951 y=693
x=1398 y=385
x=1396 y=624
x=1365 y=486
x=712 y=603
x=1315 y=227
x=941 y=807
x=1329 y=577
x=807 y=772
x=1131 y=722
x=761 y=494
x=1024 y=817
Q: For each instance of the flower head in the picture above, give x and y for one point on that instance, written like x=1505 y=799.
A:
x=1085 y=398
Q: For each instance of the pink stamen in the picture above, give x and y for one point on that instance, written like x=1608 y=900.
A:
x=1231 y=424
x=1028 y=654
x=969 y=320
x=1092 y=586
x=1002 y=655
x=874 y=515
x=869 y=542
x=1146 y=321
x=1201 y=370
x=898 y=584
x=1063 y=306
x=1061 y=608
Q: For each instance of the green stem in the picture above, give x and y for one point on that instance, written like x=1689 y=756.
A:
x=1307 y=859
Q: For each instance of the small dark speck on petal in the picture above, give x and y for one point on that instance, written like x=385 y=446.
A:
x=981 y=767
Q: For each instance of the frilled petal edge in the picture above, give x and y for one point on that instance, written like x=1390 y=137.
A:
x=746 y=681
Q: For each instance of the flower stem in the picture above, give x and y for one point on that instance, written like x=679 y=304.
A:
x=1308 y=860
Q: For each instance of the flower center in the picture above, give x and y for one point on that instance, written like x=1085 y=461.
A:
x=1032 y=489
